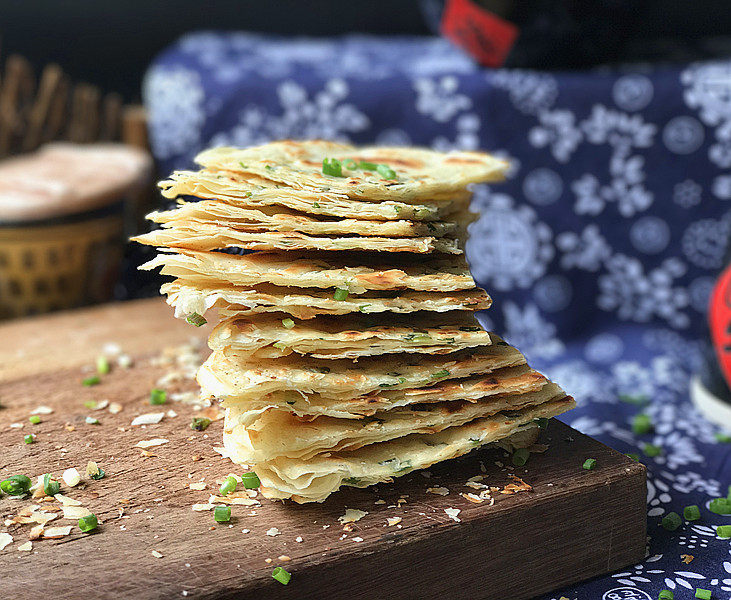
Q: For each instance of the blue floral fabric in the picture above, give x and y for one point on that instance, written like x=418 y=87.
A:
x=599 y=251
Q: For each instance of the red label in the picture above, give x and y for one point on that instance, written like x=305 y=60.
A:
x=719 y=320
x=487 y=37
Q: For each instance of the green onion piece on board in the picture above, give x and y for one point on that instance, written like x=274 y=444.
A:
x=200 y=423
x=642 y=424
x=34 y=419
x=589 y=464
x=723 y=531
x=520 y=457
x=340 y=294
x=281 y=575
x=29 y=439
x=386 y=172
x=158 y=396
x=93 y=380
x=367 y=166
x=720 y=506
x=92 y=421
x=288 y=323
x=196 y=319
x=222 y=514
x=102 y=365
x=350 y=164
x=50 y=487
x=666 y=595
x=652 y=450
x=88 y=523
x=671 y=521
x=99 y=474
x=702 y=594
x=250 y=480
x=440 y=374
x=692 y=512
x=362 y=308
x=634 y=457
x=17 y=485
x=332 y=166
x=228 y=486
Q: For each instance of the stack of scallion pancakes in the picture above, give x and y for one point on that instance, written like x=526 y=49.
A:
x=347 y=351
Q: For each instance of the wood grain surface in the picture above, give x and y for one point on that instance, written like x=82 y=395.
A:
x=572 y=524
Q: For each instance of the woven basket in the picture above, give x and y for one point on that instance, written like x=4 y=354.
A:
x=57 y=266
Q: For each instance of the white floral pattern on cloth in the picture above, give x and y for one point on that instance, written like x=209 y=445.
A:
x=599 y=250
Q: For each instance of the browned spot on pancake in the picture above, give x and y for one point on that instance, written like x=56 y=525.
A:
x=404 y=163
x=462 y=160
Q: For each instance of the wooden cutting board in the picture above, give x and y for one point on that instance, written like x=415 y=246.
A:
x=567 y=524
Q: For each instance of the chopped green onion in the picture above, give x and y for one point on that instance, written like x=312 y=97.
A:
x=340 y=294
x=94 y=471
x=642 y=424
x=92 y=421
x=634 y=457
x=692 y=512
x=440 y=374
x=702 y=594
x=93 y=380
x=386 y=172
x=288 y=323
x=196 y=319
x=651 y=450
x=88 y=523
x=281 y=575
x=17 y=485
x=34 y=419
x=228 y=486
x=671 y=521
x=723 y=438
x=666 y=595
x=222 y=514
x=542 y=422
x=250 y=480
x=158 y=396
x=50 y=487
x=332 y=166
x=589 y=464
x=520 y=457
x=200 y=423
x=29 y=439
x=350 y=164
x=102 y=365
x=242 y=165
x=723 y=531
x=315 y=205
x=90 y=404
x=367 y=166
x=362 y=307
x=720 y=506
x=268 y=167
x=280 y=345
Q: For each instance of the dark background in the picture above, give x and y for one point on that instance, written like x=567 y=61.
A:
x=110 y=43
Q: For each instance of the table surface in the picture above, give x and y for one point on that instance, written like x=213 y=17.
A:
x=151 y=543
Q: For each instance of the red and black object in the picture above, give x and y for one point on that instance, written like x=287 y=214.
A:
x=488 y=37
x=719 y=322
x=539 y=33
